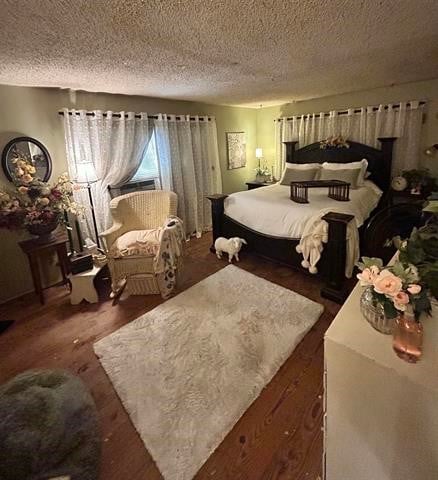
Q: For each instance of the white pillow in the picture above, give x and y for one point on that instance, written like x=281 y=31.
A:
x=303 y=166
x=363 y=165
x=299 y=166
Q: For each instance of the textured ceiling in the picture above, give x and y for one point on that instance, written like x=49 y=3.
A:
x=229 y=52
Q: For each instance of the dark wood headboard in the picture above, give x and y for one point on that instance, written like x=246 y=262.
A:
x=379 y=161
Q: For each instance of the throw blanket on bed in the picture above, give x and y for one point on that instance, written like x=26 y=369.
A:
x=315 y=234
x=167 y=259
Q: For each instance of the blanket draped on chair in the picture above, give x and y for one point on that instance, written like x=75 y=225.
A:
x=164 y=243
x=167 y=259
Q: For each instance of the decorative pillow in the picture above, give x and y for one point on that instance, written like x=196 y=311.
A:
x=362 y=164
x=346 y=175
x=145 y=243
x=292 y=174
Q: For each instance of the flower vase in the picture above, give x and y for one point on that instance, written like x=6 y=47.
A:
x=374 y=313
x=408 y=338
x=44 y=231
x=260 y=178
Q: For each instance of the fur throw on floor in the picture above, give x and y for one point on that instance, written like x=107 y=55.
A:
x=48 y=428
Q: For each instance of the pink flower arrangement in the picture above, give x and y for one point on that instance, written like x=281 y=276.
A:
x=397 y=287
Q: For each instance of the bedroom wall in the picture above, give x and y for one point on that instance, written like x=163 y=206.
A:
x=427 y=90
x=34 y=112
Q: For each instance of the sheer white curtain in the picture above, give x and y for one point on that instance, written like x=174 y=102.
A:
x=115 y=145
x=188 y=156
x=366 y=126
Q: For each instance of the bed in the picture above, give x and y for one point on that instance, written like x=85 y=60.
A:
x=274 y=230
x=270 y=211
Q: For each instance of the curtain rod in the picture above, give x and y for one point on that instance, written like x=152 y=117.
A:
x=345 y=112
x=150 y=117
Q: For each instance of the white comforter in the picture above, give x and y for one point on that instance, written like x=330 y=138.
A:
x=270 y=210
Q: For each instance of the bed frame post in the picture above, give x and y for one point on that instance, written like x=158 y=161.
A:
x=336 y=253
x=217 y=213
x=290 y=151
x=387 y=147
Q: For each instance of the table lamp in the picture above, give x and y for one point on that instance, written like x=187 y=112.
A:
x=259 y=154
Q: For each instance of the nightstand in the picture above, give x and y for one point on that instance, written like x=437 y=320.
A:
x=405 y=196
x=33 y=248
x=254 y=184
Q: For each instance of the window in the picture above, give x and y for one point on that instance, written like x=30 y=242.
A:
x=149 y=165
x=147 y=175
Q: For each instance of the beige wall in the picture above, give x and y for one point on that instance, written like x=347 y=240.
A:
x=34 y=112
x=427 y=90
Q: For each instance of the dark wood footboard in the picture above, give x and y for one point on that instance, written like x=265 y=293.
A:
x=331 y=267
x=217 y=214
x=335 y=254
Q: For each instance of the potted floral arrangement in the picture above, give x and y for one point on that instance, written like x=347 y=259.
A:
x=396 y=296
x=420 y=180
x=33 y=204
x=263 y=173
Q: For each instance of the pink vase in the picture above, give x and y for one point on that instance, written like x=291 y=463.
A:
x=408 y=338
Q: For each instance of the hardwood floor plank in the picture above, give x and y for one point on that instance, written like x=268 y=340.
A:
x=279 y=437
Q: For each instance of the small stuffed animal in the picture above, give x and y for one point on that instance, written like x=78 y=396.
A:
x=231 y=246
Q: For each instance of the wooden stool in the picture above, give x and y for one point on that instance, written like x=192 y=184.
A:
x=82 y=286
x=34 y=247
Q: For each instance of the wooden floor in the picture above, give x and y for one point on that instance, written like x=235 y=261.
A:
x=279 y=437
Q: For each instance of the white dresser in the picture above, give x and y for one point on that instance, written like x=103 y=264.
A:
x=381 y=413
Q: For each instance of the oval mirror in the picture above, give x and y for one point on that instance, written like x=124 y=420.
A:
x=30 y=149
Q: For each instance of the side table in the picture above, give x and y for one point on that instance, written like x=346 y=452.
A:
x=33 y=248
x=82 y=286
x=405 y=196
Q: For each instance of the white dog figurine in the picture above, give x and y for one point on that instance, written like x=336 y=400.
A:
x=231 y=246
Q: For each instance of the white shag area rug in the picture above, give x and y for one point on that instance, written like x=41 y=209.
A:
x=187 y=370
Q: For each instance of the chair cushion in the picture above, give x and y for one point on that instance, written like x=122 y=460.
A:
x=144 y=243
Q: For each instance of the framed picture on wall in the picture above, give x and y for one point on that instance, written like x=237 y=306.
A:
x=236 y=149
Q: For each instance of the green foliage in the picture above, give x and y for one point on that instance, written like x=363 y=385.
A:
x=421 y=303
x=368 y=262
x=421 y=250
x=388 y=307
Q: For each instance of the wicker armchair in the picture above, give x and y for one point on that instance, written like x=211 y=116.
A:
x=137 y=211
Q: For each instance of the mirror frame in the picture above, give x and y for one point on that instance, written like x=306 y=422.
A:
x=31 y=140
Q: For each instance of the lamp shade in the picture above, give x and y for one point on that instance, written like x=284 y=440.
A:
x=259 y=153
x=86 y=173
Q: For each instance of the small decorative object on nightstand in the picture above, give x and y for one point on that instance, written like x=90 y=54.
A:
x=420 y=181
x=399 y=184
x=413 y=186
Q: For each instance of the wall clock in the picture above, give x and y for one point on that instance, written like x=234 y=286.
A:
x=399 y=184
